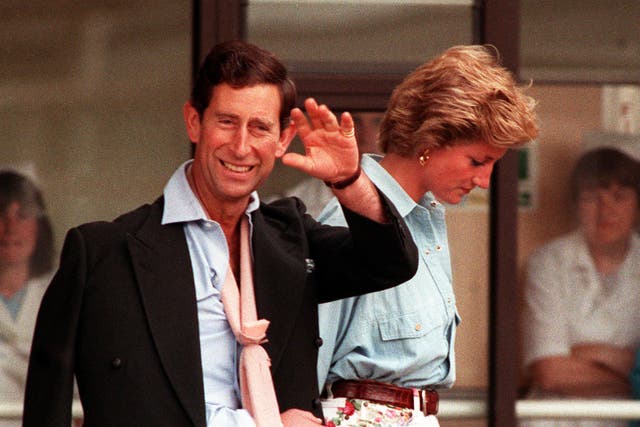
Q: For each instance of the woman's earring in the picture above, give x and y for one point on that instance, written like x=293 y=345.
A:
x=424 y=157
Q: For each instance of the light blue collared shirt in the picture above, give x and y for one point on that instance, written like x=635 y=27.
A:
x=403 y=335
x=210 y=261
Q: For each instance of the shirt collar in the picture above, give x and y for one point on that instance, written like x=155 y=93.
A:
x=394 y=191
x=181 y=203
x=583 y=260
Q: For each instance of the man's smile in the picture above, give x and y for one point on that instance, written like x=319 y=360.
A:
x=236 y=168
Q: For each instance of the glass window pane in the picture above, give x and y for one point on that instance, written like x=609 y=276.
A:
x=91 y=101
x=90 y=109
x=592 y=40
x=358 y=36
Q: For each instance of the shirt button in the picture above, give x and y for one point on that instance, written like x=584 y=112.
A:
x=319 y=342
x=418 y=327
x=310 y=265
x=427 y=251
x=433 y=204
x=116 y=363
x=438 y=248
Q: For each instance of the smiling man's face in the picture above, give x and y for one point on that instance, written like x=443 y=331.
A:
x=237 y=141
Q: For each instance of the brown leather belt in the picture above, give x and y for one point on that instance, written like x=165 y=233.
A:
x=427 y=399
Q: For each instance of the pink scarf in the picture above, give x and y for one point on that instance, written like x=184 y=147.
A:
x=256 y=384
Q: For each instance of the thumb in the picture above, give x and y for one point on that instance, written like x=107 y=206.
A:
x=297 y=161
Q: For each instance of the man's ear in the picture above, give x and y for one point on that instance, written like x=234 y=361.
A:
x=286 y=136
x=191 y=121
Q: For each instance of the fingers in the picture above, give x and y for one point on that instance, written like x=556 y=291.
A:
x=321 y=117
x=313 y=110
x=301 y=123
x=299 y=418
x=297 y=161
x=347 y=126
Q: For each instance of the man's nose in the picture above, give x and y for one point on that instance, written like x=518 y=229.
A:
x=241 y=142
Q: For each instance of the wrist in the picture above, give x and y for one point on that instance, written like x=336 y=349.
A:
x=339 y=185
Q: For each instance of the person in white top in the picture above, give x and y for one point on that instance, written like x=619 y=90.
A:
x=26 y=256
x=582 y=297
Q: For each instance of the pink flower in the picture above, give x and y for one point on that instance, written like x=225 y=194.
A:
x=349 y=409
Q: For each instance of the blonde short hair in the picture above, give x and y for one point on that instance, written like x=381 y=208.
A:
x=462 y=95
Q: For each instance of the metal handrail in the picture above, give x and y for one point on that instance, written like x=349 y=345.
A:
x=579 y=408
x=12 y=410
x=546 y=408
x=461 y=408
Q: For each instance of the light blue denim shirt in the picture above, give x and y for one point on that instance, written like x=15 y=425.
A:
x=403 y=335
x=210 y=260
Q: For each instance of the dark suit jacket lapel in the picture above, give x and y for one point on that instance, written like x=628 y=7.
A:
x=162 y=265
x=277 y=269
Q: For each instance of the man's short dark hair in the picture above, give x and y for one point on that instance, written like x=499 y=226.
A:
x=240 y=64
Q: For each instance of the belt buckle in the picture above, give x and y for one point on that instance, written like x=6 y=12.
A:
x=424 y=398
x=417 y=399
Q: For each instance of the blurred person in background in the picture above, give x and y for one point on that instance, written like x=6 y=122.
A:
x=26 y=254
x=582 y=295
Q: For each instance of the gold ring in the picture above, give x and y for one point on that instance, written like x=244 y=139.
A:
x=349 y=133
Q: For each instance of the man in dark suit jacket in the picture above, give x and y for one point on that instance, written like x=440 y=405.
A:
x=123 y=312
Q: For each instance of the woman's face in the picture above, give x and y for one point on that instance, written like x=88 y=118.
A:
x=608 y=215
x=451 y=172
x=18 y=236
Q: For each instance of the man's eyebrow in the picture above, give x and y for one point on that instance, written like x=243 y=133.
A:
x=266 y=122
x=223 y=114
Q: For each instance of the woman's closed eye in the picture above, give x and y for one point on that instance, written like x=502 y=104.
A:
x=477 y=163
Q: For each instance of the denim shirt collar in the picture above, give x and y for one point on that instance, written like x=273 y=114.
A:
x=394 y=191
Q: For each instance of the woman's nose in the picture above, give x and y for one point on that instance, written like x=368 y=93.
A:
x=7 y=222
x=483 y=178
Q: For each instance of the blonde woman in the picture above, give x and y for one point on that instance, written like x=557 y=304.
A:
x=445 y=127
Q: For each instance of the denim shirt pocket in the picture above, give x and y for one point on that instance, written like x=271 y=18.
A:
x=410 y=325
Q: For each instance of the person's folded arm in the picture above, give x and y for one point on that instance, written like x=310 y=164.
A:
x=615 y=358
x=573 y=376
